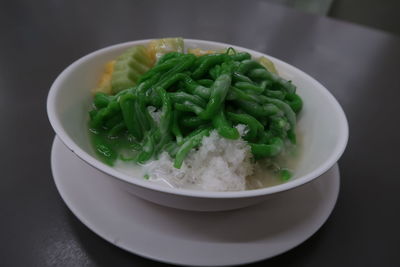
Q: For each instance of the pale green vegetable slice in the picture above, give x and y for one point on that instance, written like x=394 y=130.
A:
x=129 y=67
x=268 y=64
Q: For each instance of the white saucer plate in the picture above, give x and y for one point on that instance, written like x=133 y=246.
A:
x=186 y=237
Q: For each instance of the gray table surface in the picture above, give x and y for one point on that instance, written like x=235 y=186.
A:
x=360 y=66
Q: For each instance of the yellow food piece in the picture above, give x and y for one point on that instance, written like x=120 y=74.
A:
x=159 y=47
x=151 y=51
x=104 y=85
x=200 y=52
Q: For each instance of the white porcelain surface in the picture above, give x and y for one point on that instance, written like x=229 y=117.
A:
x=186 y=237
x=322 y=124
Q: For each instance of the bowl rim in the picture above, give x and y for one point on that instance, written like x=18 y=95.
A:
x=96 y=163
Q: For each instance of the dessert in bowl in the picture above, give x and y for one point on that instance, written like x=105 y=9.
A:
x=321 y=130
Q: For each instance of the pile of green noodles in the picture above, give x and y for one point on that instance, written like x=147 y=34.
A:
x=194 y=95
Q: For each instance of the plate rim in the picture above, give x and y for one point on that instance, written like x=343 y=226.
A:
x=105 y=236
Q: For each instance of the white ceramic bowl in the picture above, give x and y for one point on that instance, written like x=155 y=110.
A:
x=322 y=123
